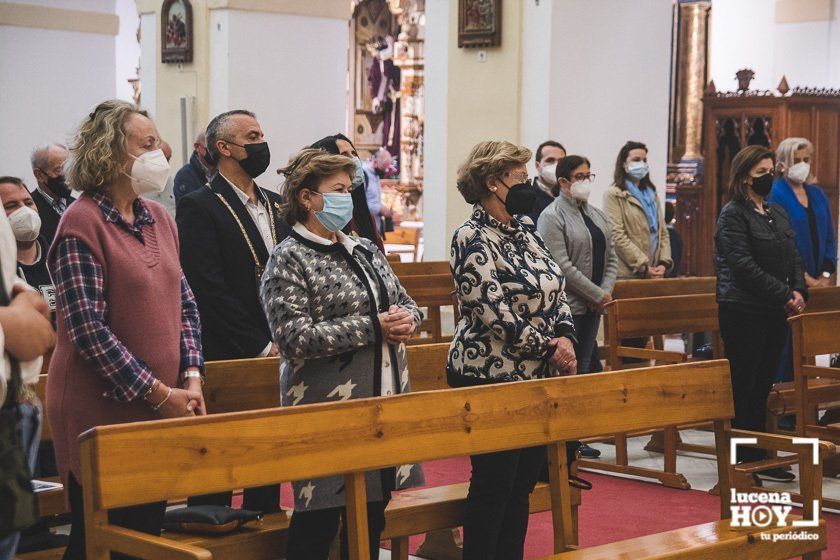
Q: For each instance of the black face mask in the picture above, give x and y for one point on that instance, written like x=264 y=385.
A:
x=762 y=185
x=257 y=160
x=520 y=199
x=59 y=186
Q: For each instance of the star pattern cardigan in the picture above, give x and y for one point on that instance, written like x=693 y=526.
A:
x=323 y=317
x=510 y=295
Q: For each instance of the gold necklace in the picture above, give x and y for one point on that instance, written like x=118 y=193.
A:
x=258 y=268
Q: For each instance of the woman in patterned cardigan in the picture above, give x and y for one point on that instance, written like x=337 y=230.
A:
x=340 y=318
x=515 y=325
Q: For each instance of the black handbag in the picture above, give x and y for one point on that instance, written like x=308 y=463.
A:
x=208 y=519
x=18 y=505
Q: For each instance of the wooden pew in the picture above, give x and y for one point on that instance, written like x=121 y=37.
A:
x=431 y=291
x=243 y=385
x=410 y=237
x=420 y=268
x=220 y=452
x=662 y=287
x=647 y=317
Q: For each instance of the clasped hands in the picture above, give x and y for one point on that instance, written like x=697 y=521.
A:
x=397 y=324
x=795 y=305
x=562 y=360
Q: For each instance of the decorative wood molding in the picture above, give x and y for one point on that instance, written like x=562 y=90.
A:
x=801 y=11
x=42 y=17
x=333 y=9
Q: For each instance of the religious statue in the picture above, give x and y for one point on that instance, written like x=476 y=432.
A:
x=384 y=82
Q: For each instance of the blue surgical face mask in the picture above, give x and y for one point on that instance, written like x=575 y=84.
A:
x=359 y=176
x=337 y=212
x=638 y=170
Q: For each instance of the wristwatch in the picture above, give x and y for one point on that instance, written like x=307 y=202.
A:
x=826 y=274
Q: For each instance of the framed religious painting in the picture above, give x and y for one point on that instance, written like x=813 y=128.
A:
x=176 y=28
x=479 y=23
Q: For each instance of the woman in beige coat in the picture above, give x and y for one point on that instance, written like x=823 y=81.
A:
x=638 y=225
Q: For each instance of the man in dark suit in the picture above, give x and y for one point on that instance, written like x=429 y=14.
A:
x=195 y=174
x=227 y=231
x=52 y=195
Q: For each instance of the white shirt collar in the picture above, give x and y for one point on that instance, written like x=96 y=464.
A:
x=243 y=196
x=346 y=240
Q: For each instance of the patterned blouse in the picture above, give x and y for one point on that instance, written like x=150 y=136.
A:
x=82 y=301
x=511 y=299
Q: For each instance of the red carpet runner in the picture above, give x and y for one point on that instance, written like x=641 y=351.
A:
x=613 y=510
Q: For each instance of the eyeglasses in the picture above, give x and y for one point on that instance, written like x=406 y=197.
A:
x=519 y=177
x=584 y=177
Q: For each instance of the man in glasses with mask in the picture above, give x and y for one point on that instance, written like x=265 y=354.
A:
x=53 y=195
x=227 y=230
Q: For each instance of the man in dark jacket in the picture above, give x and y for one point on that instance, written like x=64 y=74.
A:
x=227 y=231
x=196 y=172
x=545 y=183
x=53 y=195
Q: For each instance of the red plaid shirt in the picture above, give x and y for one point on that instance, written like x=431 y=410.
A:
x=79 y=283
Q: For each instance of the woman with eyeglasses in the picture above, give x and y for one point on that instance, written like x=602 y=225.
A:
x=515 y=325
x=759 y=284
x=580 y=240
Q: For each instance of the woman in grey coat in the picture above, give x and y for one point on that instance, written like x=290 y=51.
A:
x=339 y=317
x=579 y=238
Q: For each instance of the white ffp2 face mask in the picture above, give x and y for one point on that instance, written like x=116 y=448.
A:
x=580 y=190
x=149 y=172
x=26 y=224
x=799 y=172
x=548 y=174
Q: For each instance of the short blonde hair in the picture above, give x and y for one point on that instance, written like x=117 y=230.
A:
x=488 y=159
x=98 y=149
x=306 y=170
x=786 y=151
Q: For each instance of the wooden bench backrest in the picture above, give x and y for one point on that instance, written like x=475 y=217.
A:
x=663 y=315
x=196 y=456
x=403 y=236
x=631 y=289
x=823 y=299
x=238 y=385
x=432 y=291
x=419 y=268
x=427 y=366
x=815 y=334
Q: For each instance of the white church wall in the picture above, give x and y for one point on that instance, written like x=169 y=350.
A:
x=610 y=80
x=44 y=93
x=537 y=27
x=436 y=237
x=750 y=34
x=290 y=70
x=127 y=54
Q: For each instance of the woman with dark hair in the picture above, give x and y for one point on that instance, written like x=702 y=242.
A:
x=363 y=223
x=638 y=226
x=759 y=283
x=579 y=238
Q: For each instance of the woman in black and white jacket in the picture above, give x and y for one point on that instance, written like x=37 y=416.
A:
x=515 y=325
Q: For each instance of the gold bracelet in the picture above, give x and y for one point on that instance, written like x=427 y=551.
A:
x=157 y=406
x=152 y=387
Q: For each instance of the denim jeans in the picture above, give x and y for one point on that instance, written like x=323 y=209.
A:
x=30 y=427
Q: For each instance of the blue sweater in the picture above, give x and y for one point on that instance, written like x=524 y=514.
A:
x=783 y=195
